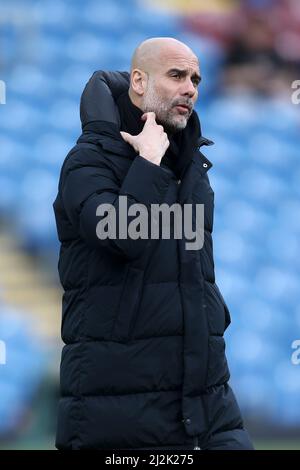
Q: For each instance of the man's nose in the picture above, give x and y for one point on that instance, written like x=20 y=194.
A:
x=188 y=88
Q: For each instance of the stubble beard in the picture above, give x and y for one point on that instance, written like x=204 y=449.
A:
x=165 y=113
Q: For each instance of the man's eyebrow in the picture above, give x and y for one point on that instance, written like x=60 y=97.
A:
x=184 y=72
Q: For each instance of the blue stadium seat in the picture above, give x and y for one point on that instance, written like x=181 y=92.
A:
x=24 y=368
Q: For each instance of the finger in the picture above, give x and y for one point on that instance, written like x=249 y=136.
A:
x=148 y=117
x=127 y=137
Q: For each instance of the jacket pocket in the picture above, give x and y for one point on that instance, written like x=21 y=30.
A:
x=217 y=370
x=123 y=326
x=227 y=316
x=218 y=316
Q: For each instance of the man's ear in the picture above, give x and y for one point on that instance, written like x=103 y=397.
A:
x=139 y=80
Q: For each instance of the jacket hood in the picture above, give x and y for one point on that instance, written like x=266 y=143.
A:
x=97 y=104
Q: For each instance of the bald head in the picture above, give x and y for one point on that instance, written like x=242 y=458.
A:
x=151 y=52
x=164 y=78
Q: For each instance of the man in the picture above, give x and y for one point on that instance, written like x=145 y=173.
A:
x=143 y=320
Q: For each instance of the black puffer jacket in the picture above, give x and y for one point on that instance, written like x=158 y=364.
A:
x=143 y=320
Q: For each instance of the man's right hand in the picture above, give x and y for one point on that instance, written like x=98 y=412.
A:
x=152 y=142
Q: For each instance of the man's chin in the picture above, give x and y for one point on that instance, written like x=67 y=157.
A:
x=179 y=124
x=175 y=125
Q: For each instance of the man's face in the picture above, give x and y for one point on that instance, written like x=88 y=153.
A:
x=172 y=90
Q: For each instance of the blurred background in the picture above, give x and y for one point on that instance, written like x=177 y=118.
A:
x=249 y=57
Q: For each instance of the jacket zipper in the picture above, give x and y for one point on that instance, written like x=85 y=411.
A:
x=196 y=443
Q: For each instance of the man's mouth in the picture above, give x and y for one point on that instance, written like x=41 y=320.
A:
x=183 y=108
